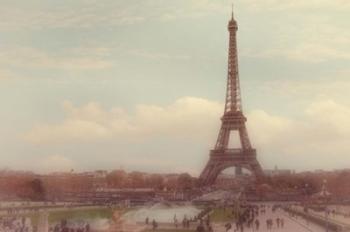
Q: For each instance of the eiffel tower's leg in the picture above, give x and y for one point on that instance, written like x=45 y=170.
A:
x=223 y=138
x=243 y=135
x=245 y=144
x=210 y=172
x=257 y=170
x=214 y=173
x=205 y=173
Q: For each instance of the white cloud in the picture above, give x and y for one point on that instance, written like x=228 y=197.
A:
x=322 y=130
x=332 y=114
x=266 y=127
x=318 y=139
x=91 y=122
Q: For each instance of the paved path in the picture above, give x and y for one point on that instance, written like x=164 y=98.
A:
x=337 y=218
x=290 y=224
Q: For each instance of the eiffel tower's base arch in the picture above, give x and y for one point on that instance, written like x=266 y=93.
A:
x=221 y=160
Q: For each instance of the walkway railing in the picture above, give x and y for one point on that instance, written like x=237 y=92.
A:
x=321 y=221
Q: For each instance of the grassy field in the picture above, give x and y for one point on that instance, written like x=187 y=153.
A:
x=57 y=216
x=34 y=218
x=222 y=215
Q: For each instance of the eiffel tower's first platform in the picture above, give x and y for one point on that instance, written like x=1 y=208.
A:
x=222 y=157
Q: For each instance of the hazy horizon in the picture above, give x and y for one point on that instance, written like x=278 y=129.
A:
x=140 y=85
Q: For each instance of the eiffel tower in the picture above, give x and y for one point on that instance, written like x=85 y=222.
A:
x=222 y=157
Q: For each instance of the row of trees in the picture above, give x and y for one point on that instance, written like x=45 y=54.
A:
x=32 y=187
x=23 y=185
x=122 y=179
x=26 y=185
x=336 y=182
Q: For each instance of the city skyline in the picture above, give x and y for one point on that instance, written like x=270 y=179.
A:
x=102 y=85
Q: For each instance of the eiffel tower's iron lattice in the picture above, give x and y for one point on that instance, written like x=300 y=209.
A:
x=222 y=157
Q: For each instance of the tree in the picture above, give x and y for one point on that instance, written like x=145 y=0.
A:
x=155 y=181
x=38 y=190
x=170 y=182
x=339 y=184
x=117 y=178
x=185 y=181
x=137 y=179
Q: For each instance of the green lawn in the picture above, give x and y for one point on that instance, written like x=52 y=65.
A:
x=34 y=218
x=57 y=216
x=222 y=215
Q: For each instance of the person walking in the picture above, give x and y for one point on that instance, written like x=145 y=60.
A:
x=271 y=224
x=200 y=227
x=87 y=227
x=154 y=224
x=228 y=227
x=278 y=222
x=257 y=224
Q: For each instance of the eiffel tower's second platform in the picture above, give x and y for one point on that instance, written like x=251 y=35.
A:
x=240 y=156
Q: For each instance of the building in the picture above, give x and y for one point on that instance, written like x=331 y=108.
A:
x=278 y=172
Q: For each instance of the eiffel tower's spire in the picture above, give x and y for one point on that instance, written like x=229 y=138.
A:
x=232 y=18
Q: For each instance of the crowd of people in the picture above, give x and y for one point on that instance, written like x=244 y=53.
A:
x=16 y=224
x=203 y=218
x=185 y=222
x=154 y=223
x=205 y=225
x=63 y=226
x=248 y=217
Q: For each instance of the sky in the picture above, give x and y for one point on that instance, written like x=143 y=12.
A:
x=140 y=84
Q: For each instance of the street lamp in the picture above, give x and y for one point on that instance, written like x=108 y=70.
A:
x=306 y=209
x=306 y=187
x=324 y=192
x=326 y=216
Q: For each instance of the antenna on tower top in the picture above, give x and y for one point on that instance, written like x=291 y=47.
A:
x=232 y=12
